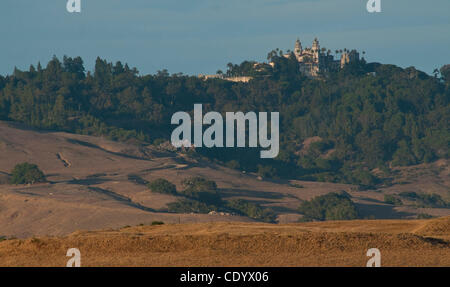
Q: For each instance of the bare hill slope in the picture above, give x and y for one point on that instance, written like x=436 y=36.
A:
x=95 y=184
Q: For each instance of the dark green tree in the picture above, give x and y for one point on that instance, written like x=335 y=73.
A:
x=26 y=173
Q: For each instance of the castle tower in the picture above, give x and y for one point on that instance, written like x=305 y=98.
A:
x=298 y=48
x=316 y=50
x=348 y=57
x=344 y=59
x=316 y=45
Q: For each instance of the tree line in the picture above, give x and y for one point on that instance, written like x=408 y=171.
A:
x=367 y=115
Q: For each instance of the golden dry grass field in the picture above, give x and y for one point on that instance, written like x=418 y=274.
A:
x=345 y=243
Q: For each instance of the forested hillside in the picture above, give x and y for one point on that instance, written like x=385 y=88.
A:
x=363 y=117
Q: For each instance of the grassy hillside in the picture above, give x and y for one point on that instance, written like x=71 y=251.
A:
x=93 y=183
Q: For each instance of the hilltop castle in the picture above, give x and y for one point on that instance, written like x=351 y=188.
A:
x=314 y=61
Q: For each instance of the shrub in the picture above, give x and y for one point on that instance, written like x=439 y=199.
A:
x=390 y=199
x=331 y=206
x=296 y=185
x=137 y=179
x=233 y=164
x=251 y=210
x=426 y=200
x=424 y=216
x=201 y=189
x=158 y=141
x=188 y=206
x=267 y=171
x=408 y=194
x=161 y=185
x=157 y=223
x=26 y=173
x=364 y=179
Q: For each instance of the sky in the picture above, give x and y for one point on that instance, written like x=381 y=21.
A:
x=202 y=36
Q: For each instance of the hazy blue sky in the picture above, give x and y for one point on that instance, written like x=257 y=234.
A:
x=201 y=36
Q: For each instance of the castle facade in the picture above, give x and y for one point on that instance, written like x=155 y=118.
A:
x=314 y=61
